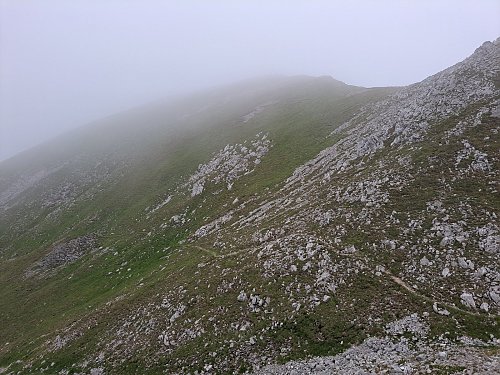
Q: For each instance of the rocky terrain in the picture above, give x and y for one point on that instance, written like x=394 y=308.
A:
x=404 y=350
x=304 y=227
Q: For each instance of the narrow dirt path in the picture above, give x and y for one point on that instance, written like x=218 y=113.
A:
x=401 y=283
x=394 y=278
x=210 y=252
x=216 y=255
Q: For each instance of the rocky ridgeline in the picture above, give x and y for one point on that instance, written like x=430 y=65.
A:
x=399 y=121
x=406 y=116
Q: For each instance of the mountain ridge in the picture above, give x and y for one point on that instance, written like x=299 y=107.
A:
x=357 y=226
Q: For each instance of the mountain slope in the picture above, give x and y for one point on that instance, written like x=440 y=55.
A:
x=266 y=222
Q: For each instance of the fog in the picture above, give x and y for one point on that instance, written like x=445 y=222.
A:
x=66 y=63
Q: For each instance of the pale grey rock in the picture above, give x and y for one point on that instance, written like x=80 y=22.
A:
x=160 y=205
x=468 y=300
x=349 y=250
x=485 y=306
x=439 y=310
x=178 y=312
x=425 y=262
x=242 y=296
x=495 y=297
x=490 y=243
x=409 y=324
x=464 y=263
x=213 y=225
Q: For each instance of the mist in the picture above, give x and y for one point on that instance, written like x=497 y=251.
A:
x=64 y=64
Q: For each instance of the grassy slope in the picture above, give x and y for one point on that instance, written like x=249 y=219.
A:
x=32 y=308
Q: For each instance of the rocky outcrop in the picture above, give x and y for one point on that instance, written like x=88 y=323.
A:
x=62 y=254
x=230 y=164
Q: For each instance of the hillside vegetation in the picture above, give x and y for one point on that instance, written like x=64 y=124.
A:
x=283 y=225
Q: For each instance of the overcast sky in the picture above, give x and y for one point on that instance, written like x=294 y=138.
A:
x=66 y=63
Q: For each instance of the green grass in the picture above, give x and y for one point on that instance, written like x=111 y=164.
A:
x=151 y=163
x=33 y=308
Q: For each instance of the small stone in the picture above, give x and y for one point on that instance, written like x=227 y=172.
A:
x=464 y=263
x=350 y=250
x=439 y=310
x=242 y=296
x=495 y=297
x=425 y=262
x=207 y=367
x=485 y=306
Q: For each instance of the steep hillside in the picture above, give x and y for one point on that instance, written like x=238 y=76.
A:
x=263 y=223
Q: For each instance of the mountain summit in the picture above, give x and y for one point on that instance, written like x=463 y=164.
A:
x=278 y=226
